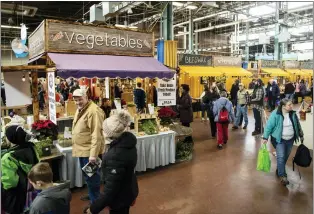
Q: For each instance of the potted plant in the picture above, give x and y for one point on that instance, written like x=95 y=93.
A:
x=44 y=129
x=166 y=115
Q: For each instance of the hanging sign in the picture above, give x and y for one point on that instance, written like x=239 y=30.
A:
x=36 y=41
x=291 y=64
x=194 y=60
x=270 y=63
x=67 y=37
x=52 y=97
x=227 y=61
x=307 y=65
x=166 y=92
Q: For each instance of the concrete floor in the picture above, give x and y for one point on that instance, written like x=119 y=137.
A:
x=220 y=182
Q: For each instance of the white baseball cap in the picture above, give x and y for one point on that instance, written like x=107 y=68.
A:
x=79 y=93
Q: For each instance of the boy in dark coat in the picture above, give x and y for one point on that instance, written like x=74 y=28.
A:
x=54 y=198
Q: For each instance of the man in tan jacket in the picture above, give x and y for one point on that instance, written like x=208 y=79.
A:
x=87 y=138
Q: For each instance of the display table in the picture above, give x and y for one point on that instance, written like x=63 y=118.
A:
x=152 y=151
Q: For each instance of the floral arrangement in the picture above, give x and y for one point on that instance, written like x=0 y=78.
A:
x=44 y=129
x=166 y=114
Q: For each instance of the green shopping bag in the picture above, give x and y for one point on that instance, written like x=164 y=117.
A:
x=263 y=159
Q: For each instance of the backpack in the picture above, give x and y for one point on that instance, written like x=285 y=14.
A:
x=302 y=157
x=223 y=116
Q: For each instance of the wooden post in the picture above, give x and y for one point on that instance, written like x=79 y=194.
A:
x=35 y=95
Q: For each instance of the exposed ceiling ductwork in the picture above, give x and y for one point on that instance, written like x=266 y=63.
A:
x=18 y=9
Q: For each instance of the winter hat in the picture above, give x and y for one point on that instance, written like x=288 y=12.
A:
x=16 y=135
x=116 y=124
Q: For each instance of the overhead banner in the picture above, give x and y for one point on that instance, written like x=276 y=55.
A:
x=166 y=92
x=307 y=65
x=227 y=61
x=194 y=60
x=270 y=64
x=52 y=97
x=291 y=64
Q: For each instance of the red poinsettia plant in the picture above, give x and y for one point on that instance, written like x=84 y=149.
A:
x=166 y=114
x=45 y=128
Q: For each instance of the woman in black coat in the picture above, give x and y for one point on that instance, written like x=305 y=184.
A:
x=185 y=106
x=118 y=166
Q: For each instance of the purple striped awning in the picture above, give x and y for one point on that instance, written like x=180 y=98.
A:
x=101 y=66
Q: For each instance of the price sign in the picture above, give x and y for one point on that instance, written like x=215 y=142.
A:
x=166 y=92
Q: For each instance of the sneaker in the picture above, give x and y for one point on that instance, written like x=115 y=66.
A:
x=234 y=127
x=256 y=133
x=284 y=181
x=219 y=146
x=207 y=119
x=244 y=127
x=203 y=119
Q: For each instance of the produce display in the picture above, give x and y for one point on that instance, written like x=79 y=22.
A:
x=184 y=149
x=42 y=144
x=149 y=126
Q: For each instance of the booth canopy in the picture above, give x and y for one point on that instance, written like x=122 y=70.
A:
x=199 y=71
x=101 y=66
x=308 y=72
x=297 y=72
x=234 y=71
x=275 y=72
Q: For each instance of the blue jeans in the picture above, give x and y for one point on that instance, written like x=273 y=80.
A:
x=93 y=183
x=204 y=107
x=241 y=111
x=290 y=96
x=283 y=150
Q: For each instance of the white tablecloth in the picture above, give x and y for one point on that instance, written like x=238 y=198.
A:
x=152 y=151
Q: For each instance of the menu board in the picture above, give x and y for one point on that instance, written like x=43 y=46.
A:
x=166 y=92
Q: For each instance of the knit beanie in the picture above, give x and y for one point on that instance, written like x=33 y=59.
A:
x=16 y=135
x=116 y=124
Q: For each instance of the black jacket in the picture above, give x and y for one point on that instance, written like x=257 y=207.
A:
x=121 y=188
x=289 y=88
x=234 y=93
x=139 y=98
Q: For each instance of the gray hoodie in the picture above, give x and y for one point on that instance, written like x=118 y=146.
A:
x=54 y=200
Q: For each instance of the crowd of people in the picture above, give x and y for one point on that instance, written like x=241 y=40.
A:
x=99 y=135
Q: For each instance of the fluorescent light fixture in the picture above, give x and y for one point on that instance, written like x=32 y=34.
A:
x=124 y=26
x=177 y=4
x=293 y=5
x=263 y=10
x=11 y=27
x=191 y=7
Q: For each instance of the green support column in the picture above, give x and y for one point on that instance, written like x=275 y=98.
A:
x=277 y=31
x=167 y=23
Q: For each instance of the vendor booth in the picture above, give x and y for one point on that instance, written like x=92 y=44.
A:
x=293 y=68
x=231 y=69
x=196 y=71
x=271 y=69
x=95 y=55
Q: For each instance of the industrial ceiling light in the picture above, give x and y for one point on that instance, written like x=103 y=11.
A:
x=177 y=4
x=191 y=7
